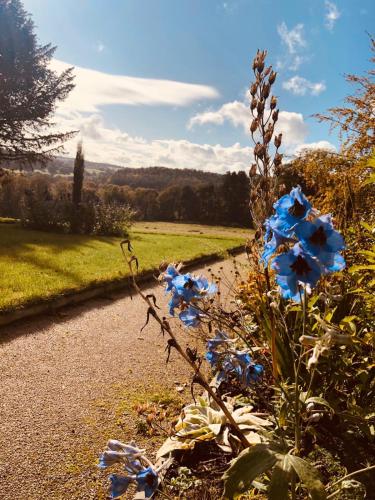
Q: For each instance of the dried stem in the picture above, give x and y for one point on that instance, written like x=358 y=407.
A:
x=198 y=375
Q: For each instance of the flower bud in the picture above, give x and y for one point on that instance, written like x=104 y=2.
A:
x=273 y=102
x=275 y=115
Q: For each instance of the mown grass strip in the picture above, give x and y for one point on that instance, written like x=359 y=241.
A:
x=36 y=266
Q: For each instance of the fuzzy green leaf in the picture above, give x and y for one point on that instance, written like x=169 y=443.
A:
x=309 y=477
x=245 y=468
x=279 y=484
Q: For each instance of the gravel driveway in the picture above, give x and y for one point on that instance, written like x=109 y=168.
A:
x=63 y=381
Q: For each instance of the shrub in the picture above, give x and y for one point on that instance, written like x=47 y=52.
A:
x=112 y=220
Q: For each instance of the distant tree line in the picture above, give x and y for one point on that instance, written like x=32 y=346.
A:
x=224 y=201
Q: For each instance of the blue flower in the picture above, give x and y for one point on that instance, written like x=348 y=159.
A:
x=119 y=485
x=212 y=357
x=170 y=273
x=292 y=208
x=254 y=371
x=273 y=238
x=109 y=457
x=147 y=481
x=190 y=316
x=319 y=239
x=219 y=339
x=295 y=267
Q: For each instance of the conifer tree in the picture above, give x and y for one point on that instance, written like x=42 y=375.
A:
x=29 y=90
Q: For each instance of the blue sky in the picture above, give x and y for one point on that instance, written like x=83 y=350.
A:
x=164 y=81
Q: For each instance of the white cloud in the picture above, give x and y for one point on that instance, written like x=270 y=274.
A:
x=315 y=145
x=293 y=39
x=295 y=43
x=111 y=145
x=95 y=88
x=301 y=86
x=332 y=14
x=238 y=114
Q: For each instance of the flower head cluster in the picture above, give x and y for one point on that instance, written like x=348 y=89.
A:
x=230 y=362
x=316 y=244
x=186 y=290
x=132 y=458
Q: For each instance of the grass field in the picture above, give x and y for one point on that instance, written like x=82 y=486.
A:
x=35 y=265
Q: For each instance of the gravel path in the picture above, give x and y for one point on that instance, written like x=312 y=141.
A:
x=67 y=384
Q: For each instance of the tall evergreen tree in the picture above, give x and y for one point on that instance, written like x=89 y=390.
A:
x=29 y=89
x=78 y=173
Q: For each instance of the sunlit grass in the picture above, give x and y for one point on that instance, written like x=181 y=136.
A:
x=36 y=265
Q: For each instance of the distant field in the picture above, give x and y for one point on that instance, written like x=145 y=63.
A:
x=190 y=229
x=35 y=265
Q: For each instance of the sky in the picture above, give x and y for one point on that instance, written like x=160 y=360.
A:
x=164 y=82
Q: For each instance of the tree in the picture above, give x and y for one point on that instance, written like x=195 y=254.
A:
x=29 y=90
x=78 y=173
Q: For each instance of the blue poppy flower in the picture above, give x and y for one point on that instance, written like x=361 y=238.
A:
x=109 y=457
x=295 y=267
x=173 y=303
x=273 y=238
x=147 y=481
x=253 y=373
x=320 y=239
x=292 y=208
x=119 y=485
x=219 y=339
x=212 y=357
x=335 y=264
x=170 y=273
x=190 y=316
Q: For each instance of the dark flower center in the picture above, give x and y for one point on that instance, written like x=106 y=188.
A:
x=297 y=209
x=319 y=237
x=189 y=284
x=300 y=266
x=150 y=479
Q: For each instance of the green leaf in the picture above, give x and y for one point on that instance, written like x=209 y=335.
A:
x=309 y=477
x=279 y=484
x=245 y=468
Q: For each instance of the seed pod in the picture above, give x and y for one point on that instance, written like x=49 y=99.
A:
x=260 y=107
x=275 y=115
x=260 y=65
x=254 y=103
x=278 y=159
x=273 y=102
x=267 y=136
x=267 y=71
x=259 y=150
x=266 y=90
x=254 y=125
x=278 y=140
x=253 y=89
x=253 y=170
x=272 y=78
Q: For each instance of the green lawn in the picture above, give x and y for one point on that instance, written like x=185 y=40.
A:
x=35 y=265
